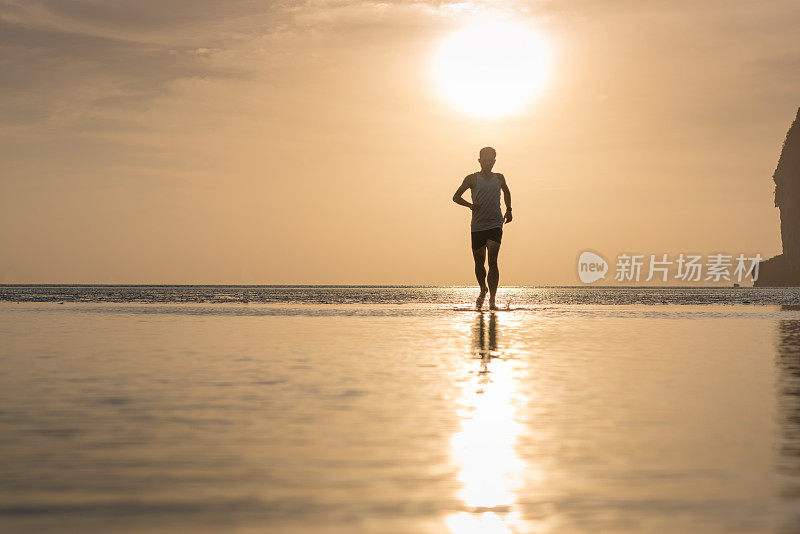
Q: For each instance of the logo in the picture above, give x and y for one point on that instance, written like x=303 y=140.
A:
x=659 y=268
x=591 y=267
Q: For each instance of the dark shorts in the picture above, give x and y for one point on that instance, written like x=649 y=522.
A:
x=479 y=238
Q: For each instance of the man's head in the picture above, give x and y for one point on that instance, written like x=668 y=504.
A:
x=486 y=158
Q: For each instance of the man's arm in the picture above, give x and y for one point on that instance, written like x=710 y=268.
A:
x=466 y=184
x=506 y=197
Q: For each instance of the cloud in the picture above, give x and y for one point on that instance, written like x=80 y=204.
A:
x=61 y=56
x=174 y=23
x=76 y=68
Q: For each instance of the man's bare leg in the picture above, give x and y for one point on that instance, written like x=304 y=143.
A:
x=479 y=255
x=494 y=273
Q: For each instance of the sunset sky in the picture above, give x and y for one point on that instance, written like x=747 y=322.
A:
x=244 y=141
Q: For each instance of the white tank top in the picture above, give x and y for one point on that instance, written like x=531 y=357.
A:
x=486 y=197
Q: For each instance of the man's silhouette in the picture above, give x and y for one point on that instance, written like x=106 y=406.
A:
x=487 y=220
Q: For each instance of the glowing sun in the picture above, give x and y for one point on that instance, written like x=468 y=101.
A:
x=491 y=69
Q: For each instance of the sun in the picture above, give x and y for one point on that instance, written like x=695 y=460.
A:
x=491 y=69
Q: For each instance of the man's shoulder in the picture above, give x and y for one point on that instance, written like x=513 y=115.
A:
x=501 y=177
x=470 y=179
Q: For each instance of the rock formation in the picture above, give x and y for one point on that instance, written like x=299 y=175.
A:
x=784 y=269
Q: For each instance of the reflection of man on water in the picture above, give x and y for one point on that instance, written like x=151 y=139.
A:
x=487 y=220
x=485 y=343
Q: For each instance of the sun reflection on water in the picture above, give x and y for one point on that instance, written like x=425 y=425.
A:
x=485 y=448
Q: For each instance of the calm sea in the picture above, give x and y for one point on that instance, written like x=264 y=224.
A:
x=311 y=294
x=172 y=409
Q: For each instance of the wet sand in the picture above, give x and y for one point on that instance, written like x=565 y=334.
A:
x=399 y=418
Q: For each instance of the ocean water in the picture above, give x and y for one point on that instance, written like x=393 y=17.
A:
x=366 y=409
x=413 y=295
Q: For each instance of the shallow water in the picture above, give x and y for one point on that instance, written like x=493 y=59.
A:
x=446 y=295
x=389 y=416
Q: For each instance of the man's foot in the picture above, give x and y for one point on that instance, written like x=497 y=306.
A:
x=492 y=305
x=479 y=301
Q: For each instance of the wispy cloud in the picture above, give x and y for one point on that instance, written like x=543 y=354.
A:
x=63 y=58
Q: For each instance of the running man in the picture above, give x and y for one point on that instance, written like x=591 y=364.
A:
x=487 y=220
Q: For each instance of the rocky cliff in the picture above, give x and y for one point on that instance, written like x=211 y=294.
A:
x=784 y=269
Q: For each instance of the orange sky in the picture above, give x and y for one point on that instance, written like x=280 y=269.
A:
x=304 y=142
